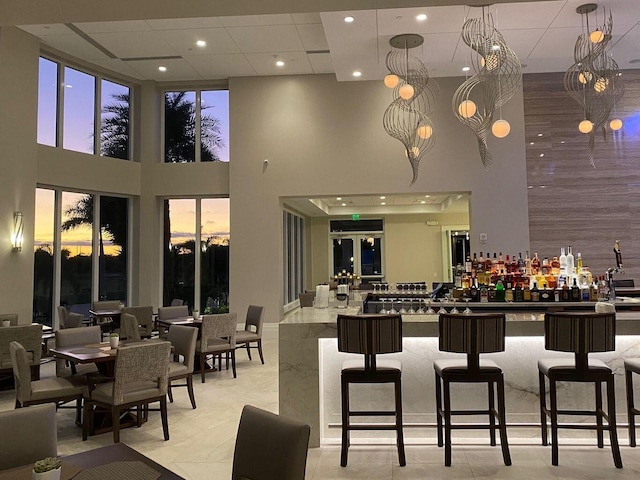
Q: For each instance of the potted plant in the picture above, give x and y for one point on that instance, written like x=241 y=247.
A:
x=47 y=469
x=114 y=340
x=6 y=322
x=196 y=314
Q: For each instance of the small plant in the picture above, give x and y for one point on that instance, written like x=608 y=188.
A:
x=114 y=334
x=47 y=464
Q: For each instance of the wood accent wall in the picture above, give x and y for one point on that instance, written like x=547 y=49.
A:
x=570 y=202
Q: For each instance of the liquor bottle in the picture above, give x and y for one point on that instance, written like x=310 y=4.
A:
x=484 y=294
x=508 y=293
x=579 y=264
x=535 y=293
x=593 y=291
x=507 y=264
x=521 y=267
x=480 y=267
x=545 y=268
x=519 y=293
x=535 y=264
x=474 y=291
x=575 y=289
x=526 y=293
x=571 y=268
x=555 y=266
x=557 y=293
x=565 y=295
x=527 y=265
x=584 y=291
x=603 y=290
x=563 y=262
x=467 y=265
x=500 y=291
x=500 y=270
x=491 y=292
x=474 y=265
x=616 y=249
x=546 y=295
x=514 y=265
x=488 y=264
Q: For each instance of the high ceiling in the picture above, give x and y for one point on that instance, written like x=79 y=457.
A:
x=541 y=33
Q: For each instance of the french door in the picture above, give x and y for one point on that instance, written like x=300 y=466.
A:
x=359 y=254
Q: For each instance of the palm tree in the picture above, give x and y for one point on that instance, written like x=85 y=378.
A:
x=114 y=129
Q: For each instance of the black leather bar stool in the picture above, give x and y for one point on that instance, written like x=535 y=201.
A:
x=580 y=333
x=631 y=366
x=370 y=335
x=473 y=334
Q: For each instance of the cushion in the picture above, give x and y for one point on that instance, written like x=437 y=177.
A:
x=214 y=345
x=459 y=365
x=133 y=392
x=632 y=364
x=177 y=369
x=246 y=336
x=382 y=365
x=567 y=365
x=57 y=387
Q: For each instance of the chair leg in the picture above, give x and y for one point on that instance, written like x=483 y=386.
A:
x=233 y=362
x=599 y=412
x=399 y=433
x=248 y=350
x=613 y=433
x=169 y=392
x=492 y=418
x=226 y=360
x=163 y=415
x=260 y=350
x=447 y=423
x=345 y=421
x=219 y=362
x=439 y=409
x=543 y=406
x=504 y=443
x=78 y=411
x=192 y=396
x=115 y=420
x=203 y=359
x=554 y=420
x=630 y=407
x=87 y=420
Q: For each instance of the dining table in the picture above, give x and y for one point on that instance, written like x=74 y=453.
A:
x=115 y=462
x=107 y=319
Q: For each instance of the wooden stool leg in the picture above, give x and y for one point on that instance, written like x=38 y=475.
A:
x=554 y=420
x=399 y=434
x=504 y=443
x=630 y=407
x=345 y=421
x=599 y=413
x=439 y=409
x=543 y=406
x=447 y=423
x=613 y=433
x=492 y=418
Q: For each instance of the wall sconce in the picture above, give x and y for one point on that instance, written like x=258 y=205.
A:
x=17 y=235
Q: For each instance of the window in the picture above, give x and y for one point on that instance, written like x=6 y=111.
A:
x=201 y=279
x=75 y=104
x=356 y=247
x=114 y=220
x=44 y=240
x=293 y=255
x=196 y=126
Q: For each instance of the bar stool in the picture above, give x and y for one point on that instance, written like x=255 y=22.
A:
x=473 y=334
x=370 y=335
x=631 y=366
x=580 y=333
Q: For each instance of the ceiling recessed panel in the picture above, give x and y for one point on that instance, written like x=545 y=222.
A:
x=75 y=45
x=50 y=29
x=257 y=20
x=296 y=63
x=626 y=13
x=321 y=62
x=302 y=18
x=312 y=36
x=184 y=23
x=509 y=16
x=221 y=66
x=556 y=43
x=523 y=41
x=439 y=20
x=114 y=27
x=184 y=41
x=266 y=39
x=177 y=69
x=117 y=65
x=135 y=44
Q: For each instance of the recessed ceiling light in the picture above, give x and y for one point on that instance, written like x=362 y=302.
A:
x=382 y=197
x=532 y=143
x=162 y=68
x=539 y=134
x=530 y=186
x=357 y=73
x=466 y=69
x=541 y=155
x=279 y=63
x=543 y=186
x=344 y=204
x=349 y=19
x=421 y=17
x=562 y=141
x=201 y=43
x=423 y=202
x=427 y=196
x=338 y=198
x=383 y=203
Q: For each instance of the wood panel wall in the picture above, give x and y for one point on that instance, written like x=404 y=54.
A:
x=570 y=202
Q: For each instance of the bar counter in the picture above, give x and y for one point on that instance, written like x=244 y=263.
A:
x=309 y=376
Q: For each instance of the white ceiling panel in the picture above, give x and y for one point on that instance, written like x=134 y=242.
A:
x=221 y=66
x=177 y=69
x=510 y=16
x=74 y=45
x=185 y=23
x=522 y=42
x=184 y=41
x=49 y=29
x=439 y=19
x=135 y=44
x=302 y=18
x=282 y=38
x=556 y=43
x=114 y=27
x=257 y=20
x=625 y=13
x=296 y=63
x=321 y=63
x=117 y=65
x=313 y=37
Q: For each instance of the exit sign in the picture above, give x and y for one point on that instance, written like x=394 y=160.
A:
x=355 y=216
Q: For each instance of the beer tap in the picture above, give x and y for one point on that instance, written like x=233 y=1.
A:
x=610 y=271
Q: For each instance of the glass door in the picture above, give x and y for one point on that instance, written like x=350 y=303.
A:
x=359 y=254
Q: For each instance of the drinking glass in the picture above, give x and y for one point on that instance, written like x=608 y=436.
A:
x=429 y=310
x=454 y=309
x=442 y=309
x=402 y=308
x=420 y=310
x=467 y=310
x=383 y=311
x=411 y=309
x=393 y=311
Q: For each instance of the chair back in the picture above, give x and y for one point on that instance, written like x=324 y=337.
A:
x=370 y=335
x=176 y=302
x=166 y=313
x=306 y=299
x=105 y=305
x=184 y=339
x=129 y=328
x=269 y=447
x=473 y=334
x=28 y=435
x=144 y=316
x=147 y=361
x=21 y=372
x=62 y=316
x=75 y=336
x=580 y=333
x=217 y=326
x=12 y=317
x=255 y=319
x=29 y=336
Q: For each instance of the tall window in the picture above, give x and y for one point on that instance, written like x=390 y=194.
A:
x=202 y=279
x=196 y=126
x=293 y=254
x=357 y=247
x=84 y=129
x=44 y=239
x=114 y=220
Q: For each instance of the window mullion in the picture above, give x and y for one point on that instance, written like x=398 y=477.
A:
x=198 y=125
x=97 y=116
x=60 y=106
x=95 y=254
x=197 y=254
x=57 y=255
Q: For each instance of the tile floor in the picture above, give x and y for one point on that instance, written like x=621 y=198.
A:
x=202 y=440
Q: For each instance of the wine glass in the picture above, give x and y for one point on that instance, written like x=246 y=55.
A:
x=411 y=309
x=442 y=309
x=429 y=310
x=420 y=310
x=467 y=310
x=402 y=307
x=383 y=311
x=393 y=311
x=454 y=309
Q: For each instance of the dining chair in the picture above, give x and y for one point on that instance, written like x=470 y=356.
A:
x=68 y=319
x=105 y=305
x=176 y=302
x=218 y=336
x=12 y=317
x=269 y=447
x=129 y=327
x=30 y=337
x=144 y=315
x=140 y=377
x=28 y=435
x=252 y=332
x=184 y=339
x=76 y=336
x=168 y=313
x=55 y=390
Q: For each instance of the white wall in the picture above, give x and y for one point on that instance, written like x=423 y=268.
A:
x=326 y=138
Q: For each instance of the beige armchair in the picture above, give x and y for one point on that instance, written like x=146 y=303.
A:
x=167 y=313
x=29 y=336
x=76 y=336
x=183 y=339
x=252 y=332
x=67 y=319
x=218 y=337
x=129 y=328
x=29 y=434
x=145 y=319
x=140 y=377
